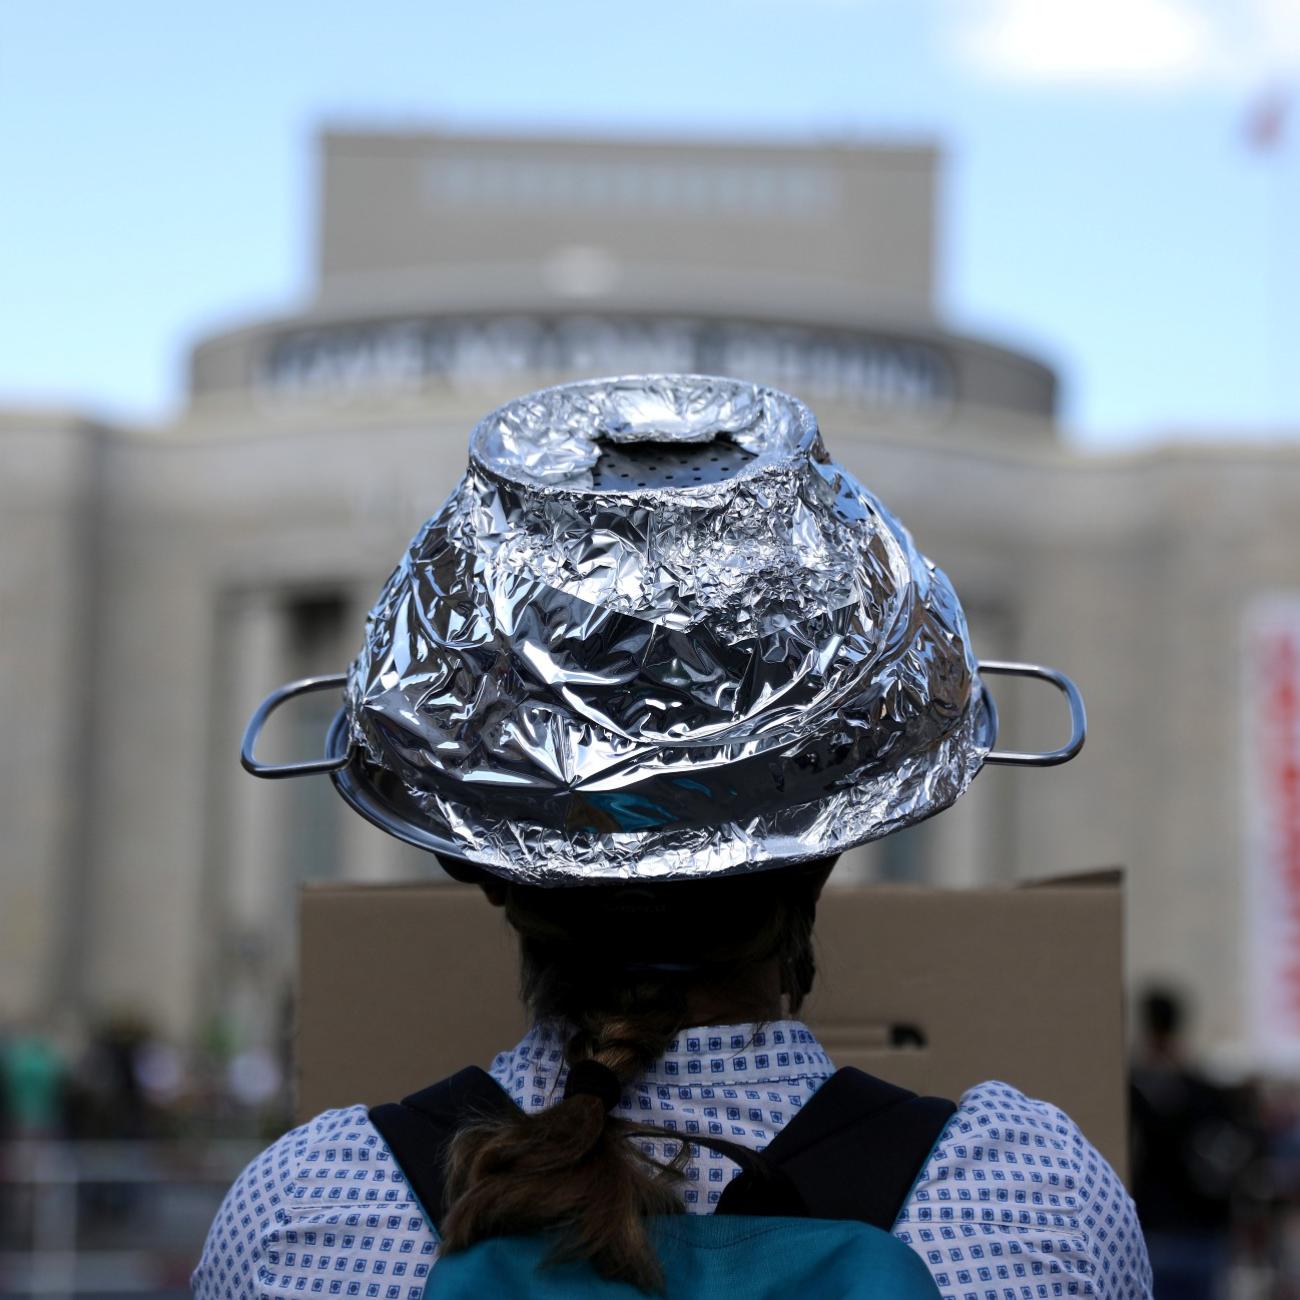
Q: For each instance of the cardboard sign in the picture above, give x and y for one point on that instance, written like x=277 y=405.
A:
x=936 y=990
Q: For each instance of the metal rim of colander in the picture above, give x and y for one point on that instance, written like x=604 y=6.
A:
x=350 y=779
x=734 y=462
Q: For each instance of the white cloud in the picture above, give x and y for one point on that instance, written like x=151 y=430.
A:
x=1279 y=31
x=1152 y=44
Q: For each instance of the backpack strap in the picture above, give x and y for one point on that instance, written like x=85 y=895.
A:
x=419 y=1129
x=853 y=1152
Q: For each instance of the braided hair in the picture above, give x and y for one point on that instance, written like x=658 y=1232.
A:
x=624 y=969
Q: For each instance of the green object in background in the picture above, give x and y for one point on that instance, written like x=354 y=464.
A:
x=31 y=1074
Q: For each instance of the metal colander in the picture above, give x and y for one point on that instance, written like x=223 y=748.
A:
x=656 y=632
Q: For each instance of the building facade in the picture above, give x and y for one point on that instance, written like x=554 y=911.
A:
x=155 y=584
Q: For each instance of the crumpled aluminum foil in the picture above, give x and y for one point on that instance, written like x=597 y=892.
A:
x=581 y=673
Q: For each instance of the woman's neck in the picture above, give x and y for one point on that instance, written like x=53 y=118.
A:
x=757 y=999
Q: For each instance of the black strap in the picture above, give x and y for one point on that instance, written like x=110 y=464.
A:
x=419 y=1129
x=853 y=1152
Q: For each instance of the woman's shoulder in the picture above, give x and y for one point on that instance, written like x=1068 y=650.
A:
x=1002 y=1112
x=1013 y=1193
x=324 y=1197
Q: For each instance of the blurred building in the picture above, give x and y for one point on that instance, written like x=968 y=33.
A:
x=154 y=585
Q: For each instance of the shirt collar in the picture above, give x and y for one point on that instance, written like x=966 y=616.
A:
x=776 y=1051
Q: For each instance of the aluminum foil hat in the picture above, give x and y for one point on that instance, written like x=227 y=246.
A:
x=656 y=632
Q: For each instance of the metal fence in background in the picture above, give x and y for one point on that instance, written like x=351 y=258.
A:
x=109 y=1219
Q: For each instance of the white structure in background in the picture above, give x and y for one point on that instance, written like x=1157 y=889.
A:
x=155 y=584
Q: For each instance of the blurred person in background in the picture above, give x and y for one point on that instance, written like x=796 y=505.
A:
x=34 y=1095
x=113 y=1101
x=1193 y=1140
x=33 y=1085
x=1269 y=1216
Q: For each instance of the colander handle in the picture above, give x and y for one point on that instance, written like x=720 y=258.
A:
x=268 y=706
x=1078 y=718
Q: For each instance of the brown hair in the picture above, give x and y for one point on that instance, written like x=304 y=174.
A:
x=623 y=968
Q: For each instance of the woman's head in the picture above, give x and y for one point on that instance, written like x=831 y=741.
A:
x=734 y=948
x=624 y=968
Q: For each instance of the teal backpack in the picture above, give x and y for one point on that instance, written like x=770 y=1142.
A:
x=809 y=1218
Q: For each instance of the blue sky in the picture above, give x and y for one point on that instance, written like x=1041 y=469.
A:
x=1100 y=204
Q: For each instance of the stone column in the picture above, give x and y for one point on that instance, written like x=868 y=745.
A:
x=256 y=947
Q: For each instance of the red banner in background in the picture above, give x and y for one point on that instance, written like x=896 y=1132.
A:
x=1271 y=697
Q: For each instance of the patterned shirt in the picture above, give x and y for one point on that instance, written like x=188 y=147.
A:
x=1013 y=1203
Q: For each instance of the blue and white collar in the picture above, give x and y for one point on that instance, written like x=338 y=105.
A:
x=775 y=1051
